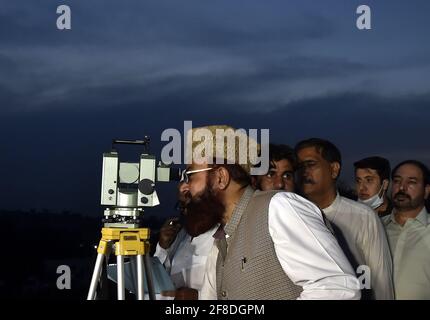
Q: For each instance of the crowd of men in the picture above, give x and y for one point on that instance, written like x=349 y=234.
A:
x=290 y=234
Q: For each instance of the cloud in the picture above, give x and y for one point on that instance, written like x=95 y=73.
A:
x=255 y=55
x=63 y=147
x=193 y=23
x=221 y=80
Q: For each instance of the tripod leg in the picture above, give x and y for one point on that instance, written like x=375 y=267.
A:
x=120 y=277
x=149 y=279
x=140 y=290
x=96 y=277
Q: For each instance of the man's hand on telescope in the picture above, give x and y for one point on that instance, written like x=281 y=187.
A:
x=186 y=294
x=168 y=232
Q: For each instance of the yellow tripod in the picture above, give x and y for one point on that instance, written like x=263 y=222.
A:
x=125 y=242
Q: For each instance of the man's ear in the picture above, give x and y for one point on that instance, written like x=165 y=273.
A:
x=385 y=184
x=222 y=178
x=427 y=192
x=335 y=170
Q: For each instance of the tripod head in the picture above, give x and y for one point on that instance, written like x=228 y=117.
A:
x=129 y=187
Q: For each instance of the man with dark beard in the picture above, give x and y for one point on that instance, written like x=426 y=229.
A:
x=408 y=230
x=204 y=211
x=184 y=249
x=270 y=245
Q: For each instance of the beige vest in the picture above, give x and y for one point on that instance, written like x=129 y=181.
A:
x=251 y=269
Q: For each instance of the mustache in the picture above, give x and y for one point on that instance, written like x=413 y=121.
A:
x=183 y=201
x=188 y=198
x=401 y=193
x=180 y=206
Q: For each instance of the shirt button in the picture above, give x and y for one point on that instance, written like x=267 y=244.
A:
x=224 y=294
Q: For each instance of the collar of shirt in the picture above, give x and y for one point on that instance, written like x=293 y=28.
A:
x=239 y=209
x=333 y=207
x=422 y=217
x=213 y=231
x=219 y=233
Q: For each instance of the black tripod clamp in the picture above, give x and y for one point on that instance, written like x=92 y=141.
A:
x=145 y=143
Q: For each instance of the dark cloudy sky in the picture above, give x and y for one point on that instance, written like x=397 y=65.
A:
x=134 y=68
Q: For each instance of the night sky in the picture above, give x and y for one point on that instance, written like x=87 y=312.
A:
x=132 y=68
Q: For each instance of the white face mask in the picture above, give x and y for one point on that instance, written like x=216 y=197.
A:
x=376 y=201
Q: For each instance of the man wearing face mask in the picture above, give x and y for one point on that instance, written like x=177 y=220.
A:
x=372 y=178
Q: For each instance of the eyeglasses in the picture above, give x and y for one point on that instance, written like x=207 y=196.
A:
x=185 y=176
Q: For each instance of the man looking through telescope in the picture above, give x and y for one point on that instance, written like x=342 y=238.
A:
x=270 y=245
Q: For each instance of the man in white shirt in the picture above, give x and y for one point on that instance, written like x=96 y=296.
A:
x=281 y=174
x=358 y=230
x=271 y=245
x=185 y=261
x=408 y=230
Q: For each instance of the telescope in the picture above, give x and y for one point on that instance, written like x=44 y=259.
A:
x=127 y=188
